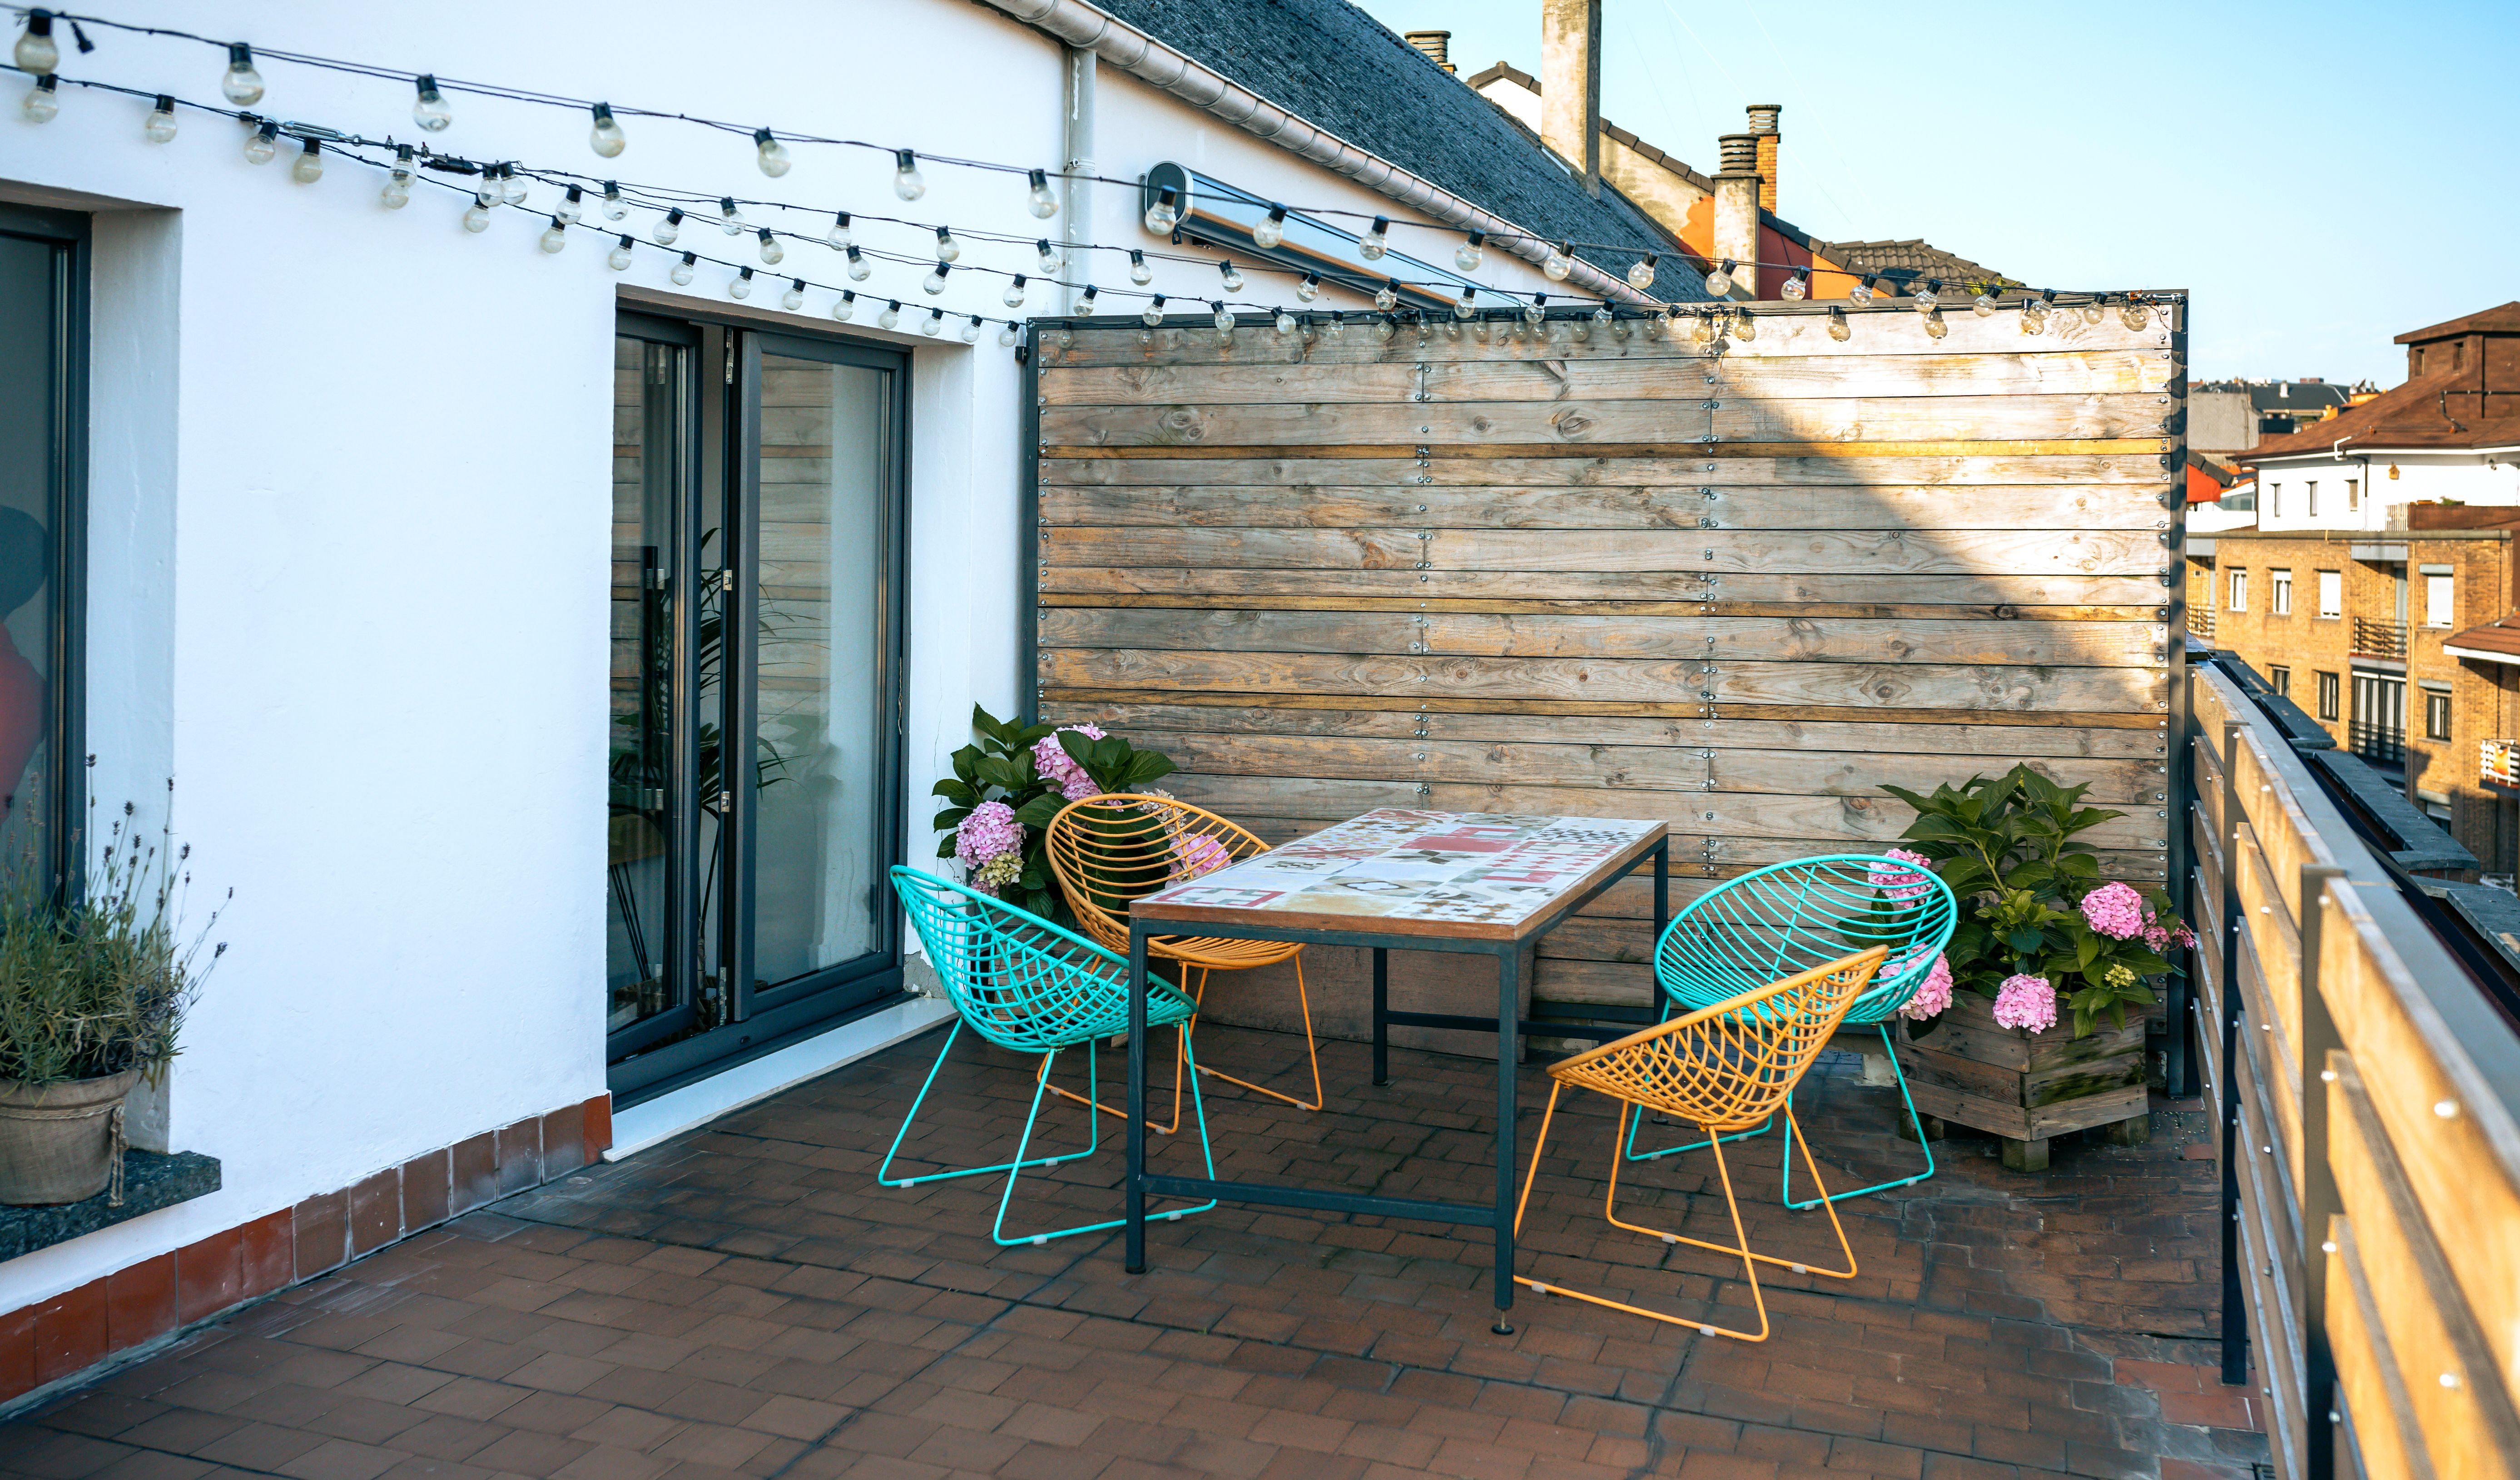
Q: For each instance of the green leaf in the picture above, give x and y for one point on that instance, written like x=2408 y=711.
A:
x=1038 y=811
x=2025 y=941
x=951 y=817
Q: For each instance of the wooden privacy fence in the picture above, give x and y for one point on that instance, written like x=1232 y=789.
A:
x=1609 y=570
x=2370 y=1156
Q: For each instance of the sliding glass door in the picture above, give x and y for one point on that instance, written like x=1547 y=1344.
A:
x=754 y=774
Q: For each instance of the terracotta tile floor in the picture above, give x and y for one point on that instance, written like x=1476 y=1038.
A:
x=746 y=1301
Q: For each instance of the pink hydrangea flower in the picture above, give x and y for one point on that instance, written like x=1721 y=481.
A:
x=2183 y=936
x=1059 y=769
x=990 y=829
x=1195 y=854
x=1900 y=885
x=2115 y=911
x=2155 y=939
x=1934 y=997
x=2026 y=1002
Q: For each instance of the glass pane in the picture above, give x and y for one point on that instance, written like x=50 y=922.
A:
x=29 y=388
x=819 y=743
x=646 y=462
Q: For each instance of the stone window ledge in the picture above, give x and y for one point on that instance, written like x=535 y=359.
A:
x=150 y=1180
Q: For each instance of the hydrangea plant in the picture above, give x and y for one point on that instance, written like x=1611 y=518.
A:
x=1009 y=784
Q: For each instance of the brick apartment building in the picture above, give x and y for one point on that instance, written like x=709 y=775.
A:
x=2377 y=588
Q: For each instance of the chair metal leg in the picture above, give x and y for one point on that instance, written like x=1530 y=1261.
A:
x=996 y=1230
x=1312 y=1050
x=1119 y=1114
x=910 y=1182
x=1913 y=1120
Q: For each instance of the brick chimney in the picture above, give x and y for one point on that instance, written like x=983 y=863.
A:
x=1571 y=85
x=1437 y=45
x=1736 y=211
x=1763 y=124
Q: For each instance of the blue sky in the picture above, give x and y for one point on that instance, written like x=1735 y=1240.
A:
x=2322 y=177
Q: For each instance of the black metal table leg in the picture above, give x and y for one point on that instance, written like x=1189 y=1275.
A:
x=1135 y=1202
x=1381 y=1017
x=1509 y=1020
x=1662 y=888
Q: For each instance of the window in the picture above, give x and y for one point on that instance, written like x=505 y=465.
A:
x=2438 y=611
x=2377 y=727
x=2436 y=713
x=2327 y=696
x=2457 y=354
x=2279 y=678
x=2314 y=498
x=2331 y=593
x=2274 y=501
x=2239 y=591
x=2353 y=494
x=2280 y=592
x=2436 y=805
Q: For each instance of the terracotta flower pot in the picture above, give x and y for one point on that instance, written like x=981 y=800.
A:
x=59 y=1143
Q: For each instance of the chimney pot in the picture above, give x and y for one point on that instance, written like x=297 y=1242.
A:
x=1740 y=154
x=1437 y=45
x=1763 y=116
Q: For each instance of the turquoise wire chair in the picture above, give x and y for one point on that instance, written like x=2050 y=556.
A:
x=1789 y=917
x=1026 y=985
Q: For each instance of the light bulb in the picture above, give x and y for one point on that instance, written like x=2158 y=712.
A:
x=1983 y=304
x=1014 y=296
x=1285 y=322
x=971 y=329
x=1558 y=264
x=1640 y=272
x=241 y=85
x=1602 y=314
x=1838 y=328
x=1471 y=252
x=514 y=188
x=1040 y=200
x=1702 y=329
x=1935 y=327
x=681 y=273
x=1224 y=319
x=37 y=52
x=1271 y=228
x=1164 y=215
x=619 y=259
x=934 y=283
x=430 y=110
x=728 y=219
x=669 y=228
x=573 y=207
x=1383 y=331
x=845 y=306
x=160 y=126
x=1862 y=292
x=1928 y=295
x=614 y=208
x=2092 y=312
x=947 y=248
x=891 y=318
x=1795 y=286
x=840 y=237
x=859 y=269
x=1048 y=257
x=907 y=182
x=741 y=286
x=1744 y=326
x=773 y=154
x=1338 y=325
x=1007 y=337
x=1152 y=315
x=1387 y=296
x=606 y=137
x=491 y=192
x=1308 y=286
x=795 y=297
x=1374 y=242
x=1720 y=281
x=772 y=252
x=556 y=237
x=476 y=217
x=1464 y=307
x=1139 y=271
x=44 y=99
x=397 y=192
x=1085 y=304
x=1534 y=311
x=262 y=144
x=2132 y=314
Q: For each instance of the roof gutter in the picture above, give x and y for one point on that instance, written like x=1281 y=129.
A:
x=1091 y=27
x=2479 y=654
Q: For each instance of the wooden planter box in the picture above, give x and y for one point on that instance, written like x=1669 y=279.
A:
x=2025 y=1088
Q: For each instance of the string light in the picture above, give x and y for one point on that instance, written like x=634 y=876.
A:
x=241 y=84
x=1559 y=262
x=1164 y=215
x=1286 y=323
x=2092 y=312
x=1374 y=242
x=397 y=189
x=907 y=182
x=619 y=259
x=795 y=297
x=681 y=273
x=741 y=285
x=772 y=253
x=1039 y=199
x=614 y=208
x=262 y=144
x=947 y=248
x=606 y=137
x=1928 y=295
x=1640 y=272
x=1048 y=258
x=1471 y=252
x=309 y=165
x=1795 y=286
x=556 y=237
x=670 y=227
x=2132 y=314
x=891 y=318
x=845 y=306
x=1007 y=336
x=1271 y=228
x=934 y=283
x=476 y=217
x=573 y=207
x=160 y=126
x=43 y=100
x=971 y=331
x=1464 y=306
x=1387 y=296
x=1862 y=292
x=1139 y=271
x=514 y=188
x=859 y=269
x=1536 y=310
x=1085 y=304
x=429 y=109
x=1382 y=330
x=1838 y=329
x=37 y=52
x=728 y=219
x=935 y=321
x=772 y=154
x=1308 y=286
x=1231 y=277
x=1152 y=315
x=1014 y=296
x=1719 y=282
x=1983 y=304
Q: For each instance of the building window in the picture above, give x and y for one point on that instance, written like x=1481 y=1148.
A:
x=2239 y=591
x=2314 y=498
x=2279 y=592
x=2331 y=593
x=2437 y=806
x=2353 y=494
x=2279 y=678
x=2436 y=715
x=2274 y=501
x=2439 y=612
x=2327 y=696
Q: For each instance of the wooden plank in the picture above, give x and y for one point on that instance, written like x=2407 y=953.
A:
x=2107 y=1107
x=2374 y=1389
x=1770 y=590
x=1852 y=687
x=1556 y=635
x=1594 y=983
x=1545 y=607
x=1444 y=467
x=1540 y=380
x=2283 y=830
x=1851 y=556
x=1625 y=507
x=1571 y=431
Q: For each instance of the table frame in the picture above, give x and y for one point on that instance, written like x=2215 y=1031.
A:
x=1509 y=1025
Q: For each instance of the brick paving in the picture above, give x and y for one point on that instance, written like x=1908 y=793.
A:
x=746 y=1302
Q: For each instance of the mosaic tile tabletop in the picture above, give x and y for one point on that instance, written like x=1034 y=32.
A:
x=1420 y=873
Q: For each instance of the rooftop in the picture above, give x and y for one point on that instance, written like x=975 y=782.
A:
x=2504 y=319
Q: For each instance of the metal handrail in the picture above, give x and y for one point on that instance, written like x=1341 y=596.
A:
x=2374 y=638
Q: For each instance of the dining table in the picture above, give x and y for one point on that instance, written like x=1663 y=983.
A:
x=1397 y=880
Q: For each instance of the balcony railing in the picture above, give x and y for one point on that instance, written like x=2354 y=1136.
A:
x=2374 y=638
x=2200 y=621
x=2380 y=745
x=2501 y=764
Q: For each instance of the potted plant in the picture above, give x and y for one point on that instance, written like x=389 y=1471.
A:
x=1007 y=788
x=93 y=993
x=2041 y=934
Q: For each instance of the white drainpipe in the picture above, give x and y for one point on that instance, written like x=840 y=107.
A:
x=1076 y=133
x=1089 y=28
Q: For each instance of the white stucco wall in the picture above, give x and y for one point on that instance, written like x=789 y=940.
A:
x=2488 y=477
x=350 y=506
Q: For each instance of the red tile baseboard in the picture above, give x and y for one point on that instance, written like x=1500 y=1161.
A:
x=56 y=1339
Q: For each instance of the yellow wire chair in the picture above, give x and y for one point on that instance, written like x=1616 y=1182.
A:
x=1725 y=1068
x=1108 y=850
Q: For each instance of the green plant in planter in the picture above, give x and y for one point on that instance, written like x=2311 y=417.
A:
x=2034 y=900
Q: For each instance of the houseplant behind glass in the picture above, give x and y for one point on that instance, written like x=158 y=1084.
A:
x=93 y=993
